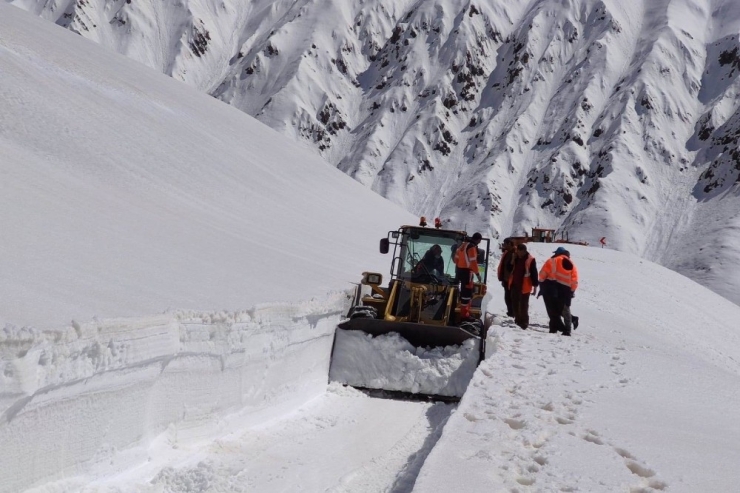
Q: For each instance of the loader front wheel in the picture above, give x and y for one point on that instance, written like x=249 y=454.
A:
x=361 y=311
x=475 y=327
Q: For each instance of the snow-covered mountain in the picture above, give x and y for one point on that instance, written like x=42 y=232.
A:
x=603 y=118
x=217 y=256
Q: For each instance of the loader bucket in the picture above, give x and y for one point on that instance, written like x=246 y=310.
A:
x=419 y=335
x=405 y=360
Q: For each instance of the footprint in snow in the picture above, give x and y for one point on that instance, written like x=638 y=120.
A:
x=639 y=469
x=623 y=453
x=593 y=439
x=540 y=459
x=645 y=473
x=515 y=424
x=524 y=481
x=649 y=482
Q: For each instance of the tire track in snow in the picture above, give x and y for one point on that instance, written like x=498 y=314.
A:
x=342 y=441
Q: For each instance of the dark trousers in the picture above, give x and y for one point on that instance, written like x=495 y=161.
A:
x=554 y=306
x=507 y=300
x=520 y=304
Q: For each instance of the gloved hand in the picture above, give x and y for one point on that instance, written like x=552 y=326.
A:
x=479 y=278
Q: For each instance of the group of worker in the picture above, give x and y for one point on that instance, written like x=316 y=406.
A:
x=557 y=282
x=517 y=271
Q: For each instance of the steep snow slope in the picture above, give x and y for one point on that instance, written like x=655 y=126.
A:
x=125 y=193
x=598 y=117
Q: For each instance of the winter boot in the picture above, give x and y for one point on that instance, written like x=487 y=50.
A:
x=465 y=312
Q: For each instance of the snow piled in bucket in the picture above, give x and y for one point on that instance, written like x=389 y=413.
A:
x=390 y=362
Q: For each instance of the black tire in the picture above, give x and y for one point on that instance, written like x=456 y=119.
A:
x=475 y=327
x=361 y=311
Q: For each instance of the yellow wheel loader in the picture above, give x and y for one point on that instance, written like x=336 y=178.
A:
x=420 y=303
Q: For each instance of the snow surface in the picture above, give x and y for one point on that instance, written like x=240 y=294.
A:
x=199 y=399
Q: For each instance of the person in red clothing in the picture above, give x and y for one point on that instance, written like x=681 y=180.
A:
x=522 y=283
x=466 y=266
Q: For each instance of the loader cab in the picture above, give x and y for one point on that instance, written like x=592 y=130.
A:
x=411 y=243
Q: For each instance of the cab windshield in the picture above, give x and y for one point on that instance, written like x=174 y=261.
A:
x=417 y=246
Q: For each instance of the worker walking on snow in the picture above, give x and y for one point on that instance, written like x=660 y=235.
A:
x=558 y=283
x=523 y=282
x=504 y=272
x=466 y=265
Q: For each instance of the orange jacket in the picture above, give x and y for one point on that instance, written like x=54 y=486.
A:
x=553 y=270
x=466 y=257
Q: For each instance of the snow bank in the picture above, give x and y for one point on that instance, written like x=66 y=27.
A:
x=390 y=362
x=74 y=396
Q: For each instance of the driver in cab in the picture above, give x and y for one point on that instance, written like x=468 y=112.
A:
x=432 y=264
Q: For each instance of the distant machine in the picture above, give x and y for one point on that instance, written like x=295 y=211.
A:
x=544 y=235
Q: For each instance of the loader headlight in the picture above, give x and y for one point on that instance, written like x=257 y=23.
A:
x=372 y=278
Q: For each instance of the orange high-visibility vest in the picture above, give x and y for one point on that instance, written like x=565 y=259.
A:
x=466 y=257
x=527 y=284
x=553 y=270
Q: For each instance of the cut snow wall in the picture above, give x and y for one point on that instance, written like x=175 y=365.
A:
x=70 y=396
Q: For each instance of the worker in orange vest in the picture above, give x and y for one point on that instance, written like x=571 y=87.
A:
x=558 y=283
x=523 y=282
x=466 y=265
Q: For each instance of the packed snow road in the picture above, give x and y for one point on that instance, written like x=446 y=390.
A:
x=341 y=441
